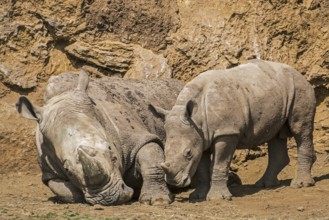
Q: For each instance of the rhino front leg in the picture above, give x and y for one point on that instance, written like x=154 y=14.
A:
x=154 y=189
x=202 y=178
x=65 y=191
x=223 y=150
x=277 y=159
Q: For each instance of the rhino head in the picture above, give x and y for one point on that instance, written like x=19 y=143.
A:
x=72 y=133
x=184 y=143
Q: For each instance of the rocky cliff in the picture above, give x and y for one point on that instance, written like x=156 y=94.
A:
x=150 y=39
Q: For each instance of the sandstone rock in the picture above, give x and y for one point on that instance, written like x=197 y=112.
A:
x=312 y=4
x=242 y=156
x=148 y=65
x=16 y=77
x=131 y=61
x=113 y=56
x=163 y=38
x=147 y=23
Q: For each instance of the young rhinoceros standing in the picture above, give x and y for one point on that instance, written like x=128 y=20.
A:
x=220 y=111
x=96 y=145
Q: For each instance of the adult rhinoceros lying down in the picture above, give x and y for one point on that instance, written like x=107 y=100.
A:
x=242 y=107
x=96 y=144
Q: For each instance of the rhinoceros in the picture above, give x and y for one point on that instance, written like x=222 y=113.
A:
x=97 y=140
x=238 y=108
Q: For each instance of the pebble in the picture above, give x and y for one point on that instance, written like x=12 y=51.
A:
x=98 y=207
x=301 y=208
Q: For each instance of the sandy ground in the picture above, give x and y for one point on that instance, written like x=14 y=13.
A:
x=22 y=196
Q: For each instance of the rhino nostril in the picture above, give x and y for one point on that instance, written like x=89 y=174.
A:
x=123 y=186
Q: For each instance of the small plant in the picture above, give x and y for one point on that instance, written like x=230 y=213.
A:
x=3 y=210
x=51 y=215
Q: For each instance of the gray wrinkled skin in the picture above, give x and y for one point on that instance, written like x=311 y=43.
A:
x=98 y=142
x=242 y=107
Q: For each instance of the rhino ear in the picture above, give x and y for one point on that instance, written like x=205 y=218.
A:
x=190 y=110
x=158 y=111
x=83 y=81
x=27 y=109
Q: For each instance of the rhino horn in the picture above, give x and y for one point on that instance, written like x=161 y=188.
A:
x=94 y=172
x=83 y=81
x=165 y=166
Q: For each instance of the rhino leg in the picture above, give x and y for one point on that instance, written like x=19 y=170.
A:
x=154 y=189
x=301 y=120
x=277 y=159
x=65 y=191
x=223 y=150
x=306 y=158
x=202 y=178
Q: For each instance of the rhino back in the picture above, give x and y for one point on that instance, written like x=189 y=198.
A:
x=252 y=100
x=135 y=95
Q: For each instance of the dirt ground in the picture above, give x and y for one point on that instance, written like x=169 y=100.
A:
x=179 y=38
x=22 y=196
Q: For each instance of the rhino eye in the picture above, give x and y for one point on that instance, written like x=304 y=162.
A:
x=188 y=153
x=109 y=147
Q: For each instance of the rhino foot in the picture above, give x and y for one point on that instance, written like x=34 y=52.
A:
x=153 y=198
x=198 y=195
x=219 y=194
x=267 y=183
x=302 y=181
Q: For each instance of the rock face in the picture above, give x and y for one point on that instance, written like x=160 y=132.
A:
x=151 y=39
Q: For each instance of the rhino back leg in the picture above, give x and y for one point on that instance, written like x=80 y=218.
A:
x=305 y=160
x=223 y=150
x=277 y=159
x=301 y=120
x=154 y=188
x=65 y=191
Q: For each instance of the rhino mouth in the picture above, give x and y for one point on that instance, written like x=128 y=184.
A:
x=181 y=179
x=109 y=195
